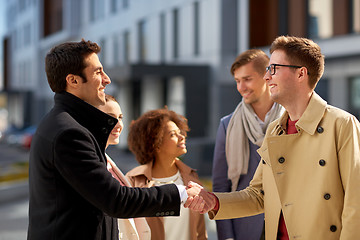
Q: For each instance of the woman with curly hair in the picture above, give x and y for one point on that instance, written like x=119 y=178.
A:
x=157 y=139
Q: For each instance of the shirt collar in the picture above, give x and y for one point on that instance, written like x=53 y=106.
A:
x=309 y=120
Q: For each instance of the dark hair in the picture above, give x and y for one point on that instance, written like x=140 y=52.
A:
x=67 y=58
x=146 y=133
x=302 y=52
x=257 y=56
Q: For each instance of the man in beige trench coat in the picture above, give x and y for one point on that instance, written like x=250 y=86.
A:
x=308 y=181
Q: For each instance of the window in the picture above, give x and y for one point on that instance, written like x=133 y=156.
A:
x=176 y=94
x=126 y=47
x=320 y=18
x=355 y=21
x=142 y=37
x=175 y=33
x=114 y=6
x=92 y=10
x=263 y=22
x=97 y=10
x=322 y=88
x=102 y=54
x=116 y=50
x=27 y=34
x=53 y=16
x=125 y=4
x=162 y=37
x=354 y=95
x=196 y=28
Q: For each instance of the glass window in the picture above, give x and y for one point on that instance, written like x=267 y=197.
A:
x=125 y=4
x=162 y=37
x=175 y=33
x=114 y=5
x=355 y=16
x=320 y=19
x=263 y=22
x=196 y=28
x=176 y=94
x=354 y=100
x=116 y=50
x=126 y=47
x=322 y=88
x=27 y=34
x=97 y=10
x=53 y=17
x=102 y=54
x=142 y=40
x=92 y=10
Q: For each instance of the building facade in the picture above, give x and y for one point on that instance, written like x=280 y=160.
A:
x=176 y=53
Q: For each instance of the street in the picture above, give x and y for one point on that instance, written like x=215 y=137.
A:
x=14 y=198
x=14 y=219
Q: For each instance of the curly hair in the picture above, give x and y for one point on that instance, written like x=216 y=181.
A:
x=146 y=133
x=67 y=58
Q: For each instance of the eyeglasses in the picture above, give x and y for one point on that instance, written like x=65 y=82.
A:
x=272 y=67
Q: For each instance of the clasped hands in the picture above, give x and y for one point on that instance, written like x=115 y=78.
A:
x=199 y=199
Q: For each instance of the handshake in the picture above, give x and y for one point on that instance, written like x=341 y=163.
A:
x=199 y=199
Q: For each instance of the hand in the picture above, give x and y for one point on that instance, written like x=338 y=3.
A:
x=194 y=201
x=202 y=201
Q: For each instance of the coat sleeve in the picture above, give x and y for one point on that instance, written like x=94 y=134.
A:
x=77 y=159
x=220 y=180
x=349 y=164
x=244 y=203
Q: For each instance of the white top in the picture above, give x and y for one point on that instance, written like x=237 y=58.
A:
x=176 y=227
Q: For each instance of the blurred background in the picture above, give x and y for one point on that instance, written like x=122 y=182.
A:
x=157 y=52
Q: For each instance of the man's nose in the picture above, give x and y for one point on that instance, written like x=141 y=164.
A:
x=267 y=76
x=106 y=79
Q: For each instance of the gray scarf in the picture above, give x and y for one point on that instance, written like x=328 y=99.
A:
x=243 y=126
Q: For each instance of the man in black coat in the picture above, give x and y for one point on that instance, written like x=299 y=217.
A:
x=72 y=195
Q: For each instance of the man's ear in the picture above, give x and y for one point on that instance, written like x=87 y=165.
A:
x=72 y=81
x=303 y=73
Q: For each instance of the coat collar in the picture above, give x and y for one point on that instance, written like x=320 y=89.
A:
x=310 y=119
x=96 y=121
x=146 y=169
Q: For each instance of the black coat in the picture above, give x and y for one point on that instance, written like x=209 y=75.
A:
x=72 y=195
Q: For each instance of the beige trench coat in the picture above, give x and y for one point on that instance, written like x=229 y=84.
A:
x=141 y=177
x=313 y=176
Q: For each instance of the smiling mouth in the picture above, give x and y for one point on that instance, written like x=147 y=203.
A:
x=182 y=145
x=245 y=95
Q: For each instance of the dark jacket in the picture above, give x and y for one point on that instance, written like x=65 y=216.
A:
x=72 y=195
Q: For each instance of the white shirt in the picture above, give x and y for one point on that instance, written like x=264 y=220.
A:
x=176 y=227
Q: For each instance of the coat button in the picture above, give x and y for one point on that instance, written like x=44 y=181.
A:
x=327 y=196
x=111 y=121
x=320 y=129
x=263 y=161
x=105 y=130
x=172 y=213
x=157 y=214
x=281 y=160
x=333 y=228
x=322 y=162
